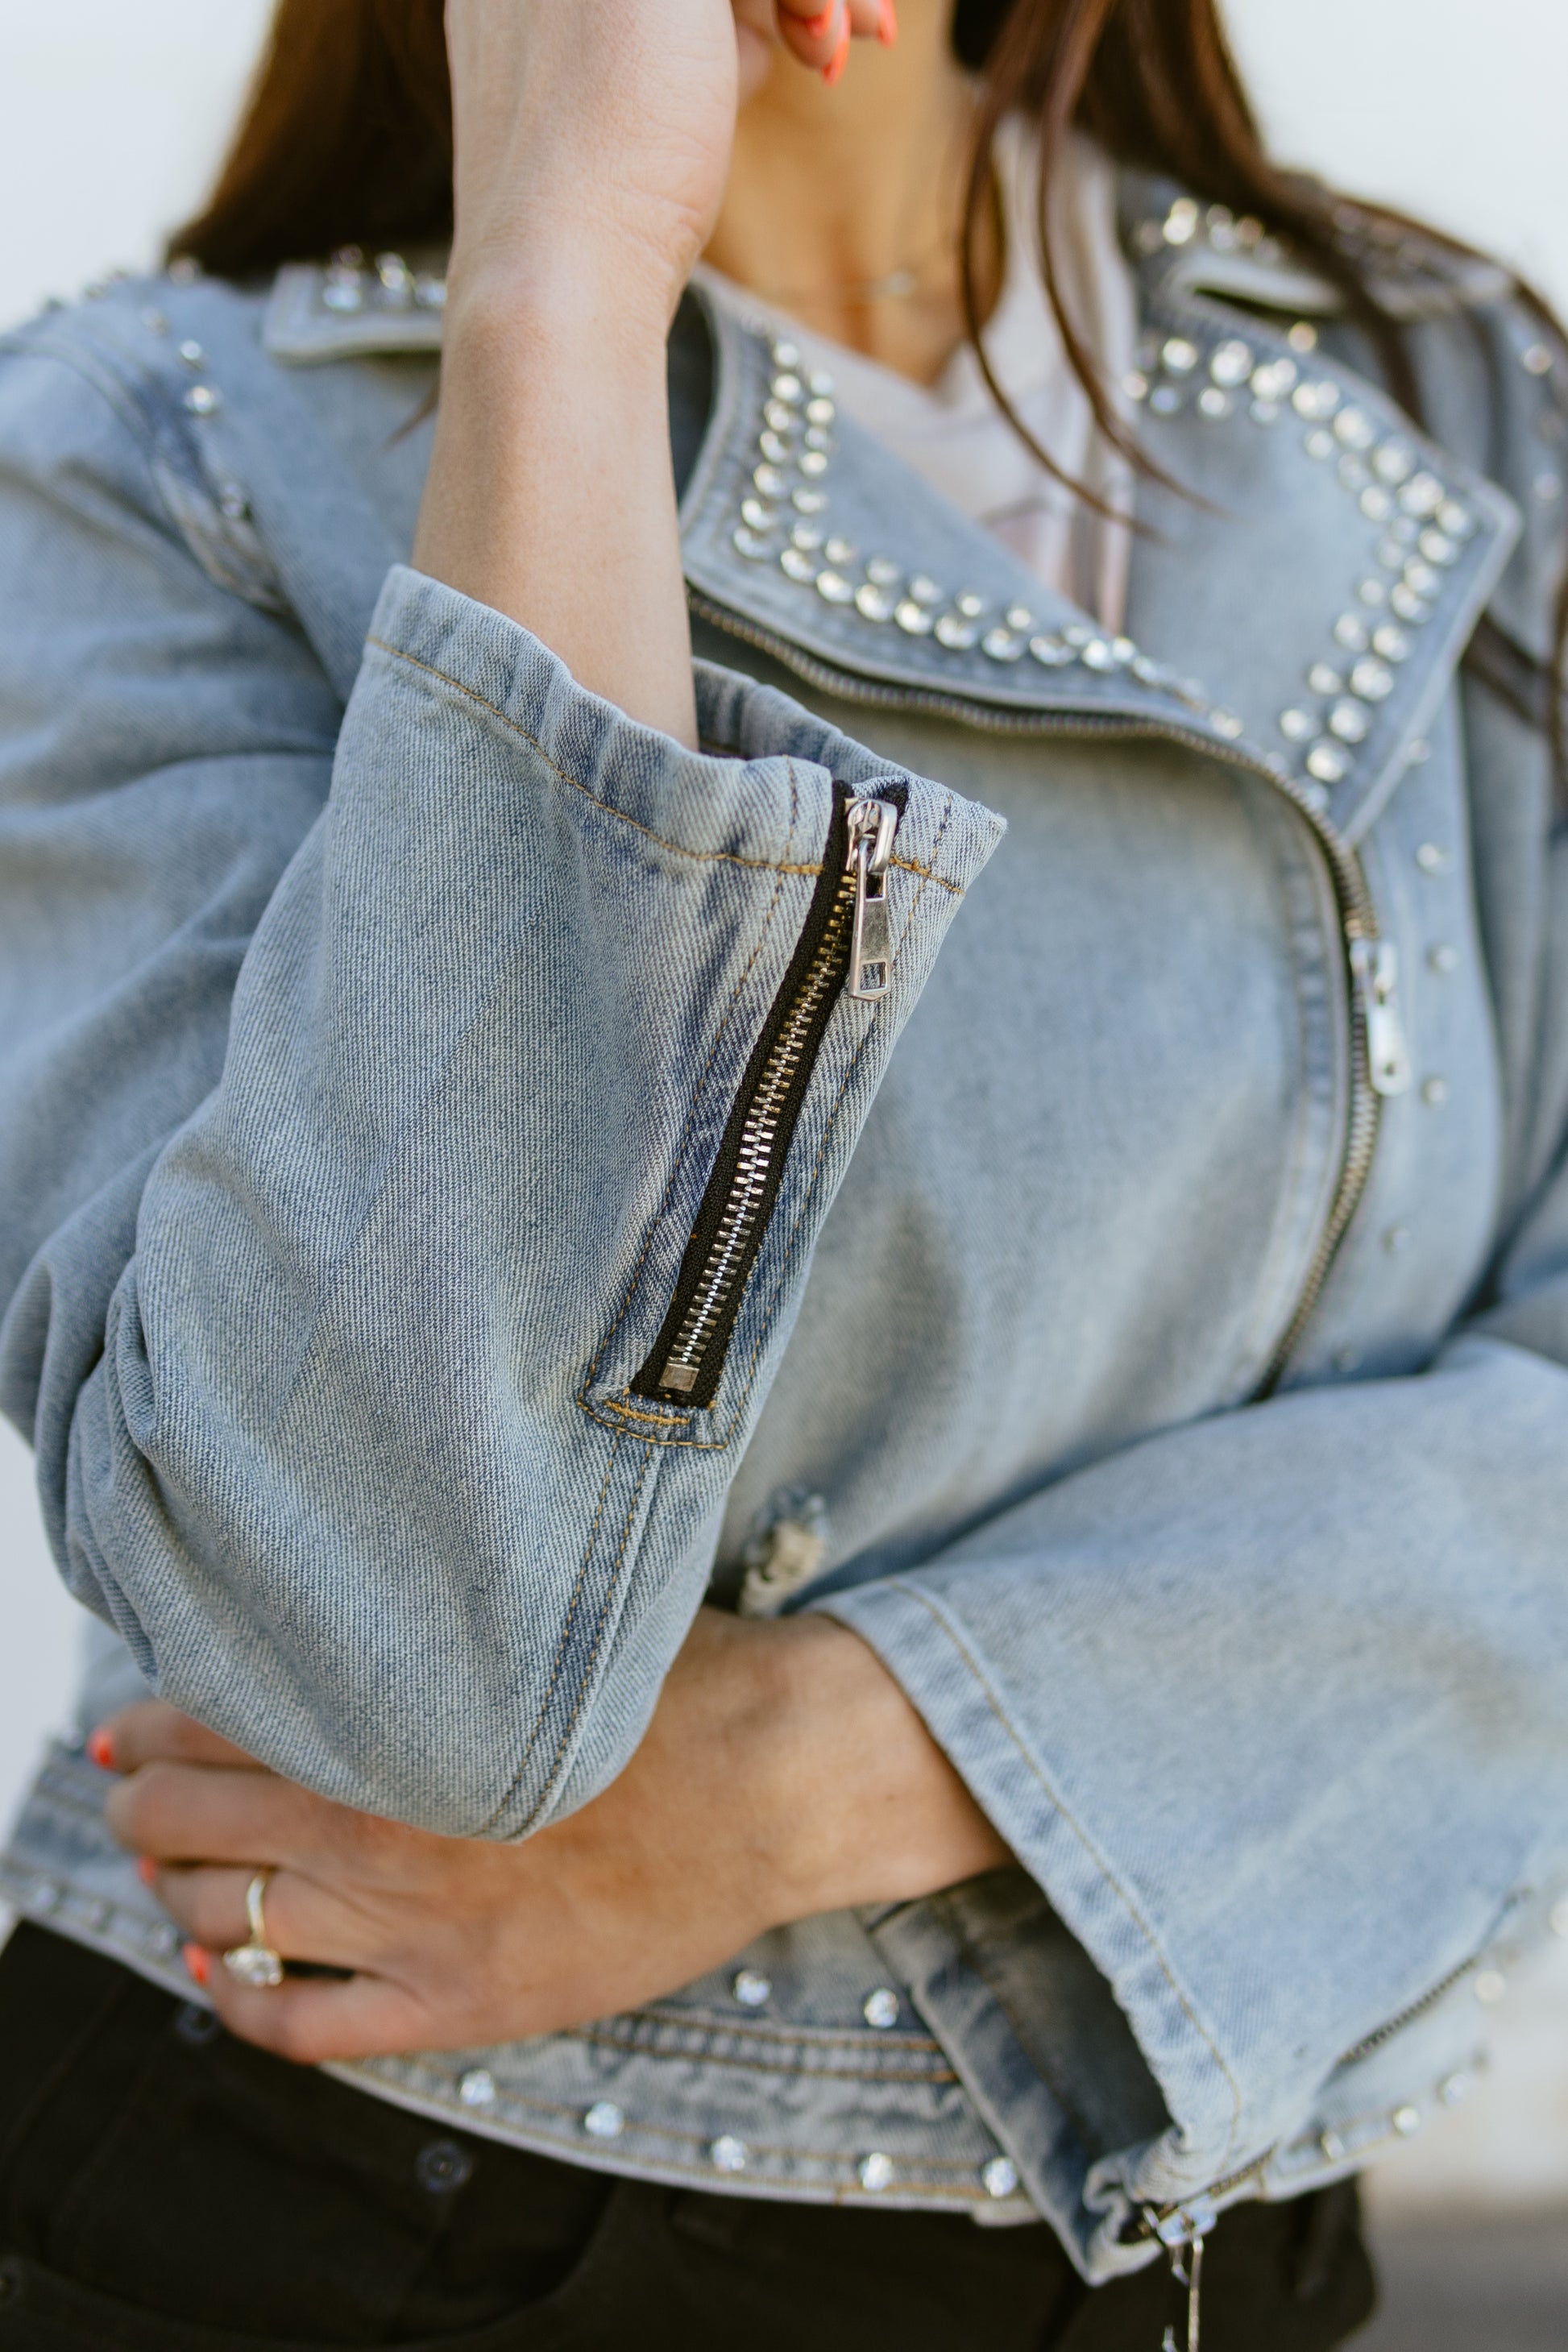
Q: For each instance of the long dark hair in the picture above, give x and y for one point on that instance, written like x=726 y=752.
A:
x=347 y=139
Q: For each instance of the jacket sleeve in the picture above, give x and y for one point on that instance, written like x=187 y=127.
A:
x=356 y=1108
x=1273 y=1708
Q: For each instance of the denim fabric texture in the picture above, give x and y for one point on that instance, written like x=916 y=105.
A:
x=375 y=1003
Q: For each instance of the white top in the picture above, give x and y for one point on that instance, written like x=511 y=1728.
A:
x=952 y=433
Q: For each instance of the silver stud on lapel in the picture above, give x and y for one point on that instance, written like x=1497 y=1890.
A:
x=1327 y=762
x=1372 y=679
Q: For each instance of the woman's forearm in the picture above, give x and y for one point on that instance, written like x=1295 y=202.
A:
x=549 y=496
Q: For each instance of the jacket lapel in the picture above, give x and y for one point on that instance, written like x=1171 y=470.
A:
x=1301 y=602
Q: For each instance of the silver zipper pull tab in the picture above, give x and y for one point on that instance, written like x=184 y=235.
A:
x=1182 y=2233
x=1375 y=966
x=872 y=824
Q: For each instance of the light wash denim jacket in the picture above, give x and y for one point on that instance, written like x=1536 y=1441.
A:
x=1048 y=1148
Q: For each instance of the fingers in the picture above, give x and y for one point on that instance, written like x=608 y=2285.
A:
x=818 y=31
x=303 y=1921
x=140 y=1734
x=315 y=2019
x=196 y=1813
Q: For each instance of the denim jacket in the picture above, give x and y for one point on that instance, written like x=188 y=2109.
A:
x=1047 y=1147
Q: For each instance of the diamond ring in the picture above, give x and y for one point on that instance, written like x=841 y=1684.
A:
x=256 y=1963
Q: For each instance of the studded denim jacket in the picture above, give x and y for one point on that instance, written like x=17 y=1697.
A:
x=1047 y=1147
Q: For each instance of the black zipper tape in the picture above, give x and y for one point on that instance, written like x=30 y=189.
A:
x=833 y=894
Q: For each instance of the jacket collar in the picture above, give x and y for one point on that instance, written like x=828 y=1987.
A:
x=1303 y=610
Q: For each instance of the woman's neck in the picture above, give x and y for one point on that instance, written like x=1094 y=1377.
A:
x=838 y=199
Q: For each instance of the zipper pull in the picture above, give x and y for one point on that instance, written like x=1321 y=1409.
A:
x=872 y=824
x=1375 y=967
x=1182 y=2233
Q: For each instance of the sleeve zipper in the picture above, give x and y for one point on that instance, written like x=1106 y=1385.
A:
x=844 y=949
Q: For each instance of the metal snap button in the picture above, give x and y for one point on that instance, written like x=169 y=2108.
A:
x=443 y=2167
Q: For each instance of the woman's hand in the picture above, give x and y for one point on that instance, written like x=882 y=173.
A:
x=783 y=1774
x=591 y=147
x=598 y=137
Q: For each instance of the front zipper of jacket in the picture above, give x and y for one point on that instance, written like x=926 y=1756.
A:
x=844 y=949
x=1379 y=1063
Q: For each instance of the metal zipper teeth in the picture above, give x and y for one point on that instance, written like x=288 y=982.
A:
x=1364 y=2048
x=1418 y=2009
x=761 y=1144
x=1358 y=917
x=1153 y=2216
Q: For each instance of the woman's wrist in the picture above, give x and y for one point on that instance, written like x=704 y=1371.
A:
x=858 y=1804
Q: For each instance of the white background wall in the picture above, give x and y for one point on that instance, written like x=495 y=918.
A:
x=111 y=118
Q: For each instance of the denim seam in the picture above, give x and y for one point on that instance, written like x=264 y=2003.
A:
x=794 y=2068
x=677 y=848
x=845 y=2159
x=561 y=1647
x=1064 y=1812
x=717 y=1444
x=973 y=1953
x=747 y=2029
x=909 y=864
x=585 y=1683
x=679 y=1157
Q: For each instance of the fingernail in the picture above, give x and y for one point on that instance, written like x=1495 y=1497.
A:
x=101 y=1748
x=814 y=26
x=835 y=65
x=198 y=1962
x=886 y=23
x=146 y=1869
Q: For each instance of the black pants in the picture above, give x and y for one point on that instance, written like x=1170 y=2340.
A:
x=165 y=2186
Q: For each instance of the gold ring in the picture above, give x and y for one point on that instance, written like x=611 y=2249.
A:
x=256 y=1963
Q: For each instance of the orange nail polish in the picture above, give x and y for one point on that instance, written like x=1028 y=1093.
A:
x=886 y=23
x=198 y=1963
x=101 y=1748
x=146 y=1869
x=835 y=65
x=813 y=27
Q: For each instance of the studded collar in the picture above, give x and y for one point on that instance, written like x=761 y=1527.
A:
x=1300 y=608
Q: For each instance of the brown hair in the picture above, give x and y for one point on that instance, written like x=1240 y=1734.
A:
x=347 y=139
